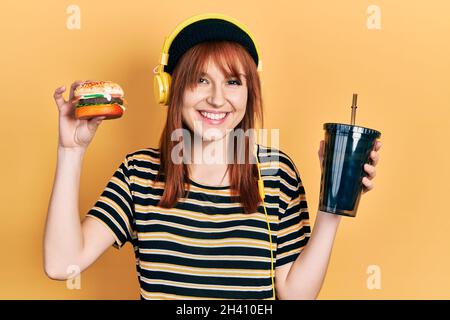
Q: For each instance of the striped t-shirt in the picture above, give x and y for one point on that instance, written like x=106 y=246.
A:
x=205 y=247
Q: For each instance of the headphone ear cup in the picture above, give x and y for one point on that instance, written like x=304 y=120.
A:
x=161 y=87
x=157 y=88
x=167 y=79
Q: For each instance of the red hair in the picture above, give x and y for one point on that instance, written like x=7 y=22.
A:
x=243 y=176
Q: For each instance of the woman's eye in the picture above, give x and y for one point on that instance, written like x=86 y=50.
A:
x=236 y=82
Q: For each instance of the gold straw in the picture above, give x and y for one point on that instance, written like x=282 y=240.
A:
x=355 y=97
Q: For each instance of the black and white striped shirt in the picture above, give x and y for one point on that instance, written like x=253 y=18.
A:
x=205 y=247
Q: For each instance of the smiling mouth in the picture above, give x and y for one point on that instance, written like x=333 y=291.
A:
x=214 y=118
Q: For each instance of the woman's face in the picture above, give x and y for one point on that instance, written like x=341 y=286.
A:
x=215 y=105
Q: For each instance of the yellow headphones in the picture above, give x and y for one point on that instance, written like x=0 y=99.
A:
x=161 y=87
x=162 y=79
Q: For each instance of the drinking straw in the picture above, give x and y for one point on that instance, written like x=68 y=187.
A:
x=355 y=97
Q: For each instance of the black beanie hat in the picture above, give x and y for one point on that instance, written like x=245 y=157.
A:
x=207 y=30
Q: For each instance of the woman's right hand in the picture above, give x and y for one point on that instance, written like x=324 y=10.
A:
x=74 y=133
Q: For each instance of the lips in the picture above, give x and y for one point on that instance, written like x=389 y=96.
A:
x=213 y=117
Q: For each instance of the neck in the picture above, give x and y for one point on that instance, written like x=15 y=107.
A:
x=211 y=152
x=209 y=161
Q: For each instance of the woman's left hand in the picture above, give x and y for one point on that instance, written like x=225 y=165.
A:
x=369 y=168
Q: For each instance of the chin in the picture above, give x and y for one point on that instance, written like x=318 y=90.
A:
x=206 y=137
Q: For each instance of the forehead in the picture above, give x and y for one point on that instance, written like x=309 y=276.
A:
x=221 y=67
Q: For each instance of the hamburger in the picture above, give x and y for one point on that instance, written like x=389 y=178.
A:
x=98 y=98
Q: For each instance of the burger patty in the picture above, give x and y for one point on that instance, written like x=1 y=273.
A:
x=92 y=101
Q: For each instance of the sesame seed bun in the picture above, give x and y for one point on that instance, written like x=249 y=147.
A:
x=98 y=87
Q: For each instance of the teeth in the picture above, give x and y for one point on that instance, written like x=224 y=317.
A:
x=213 y=116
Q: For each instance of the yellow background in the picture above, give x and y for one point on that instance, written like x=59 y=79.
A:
x=315 y=54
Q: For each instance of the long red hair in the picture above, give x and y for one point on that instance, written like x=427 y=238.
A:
x=243 y=176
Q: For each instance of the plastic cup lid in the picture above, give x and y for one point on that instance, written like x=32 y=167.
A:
x=346 y=128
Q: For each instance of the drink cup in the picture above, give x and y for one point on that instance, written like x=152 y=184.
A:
x=347 y=148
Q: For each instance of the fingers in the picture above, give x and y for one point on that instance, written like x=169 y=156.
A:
x=378 y=145
x=370 y=168
x=58 y=96
x=367 y=184
x=374 y=155
x=371 y=171
x=73 y=87
x=374 y=158
x=94 y=123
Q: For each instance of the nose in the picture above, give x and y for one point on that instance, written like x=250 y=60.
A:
x=216 y=97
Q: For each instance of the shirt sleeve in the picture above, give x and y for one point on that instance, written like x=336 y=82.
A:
x=294 y=228
x=115 y=207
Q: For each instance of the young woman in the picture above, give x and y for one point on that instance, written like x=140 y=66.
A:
x=198 y=228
